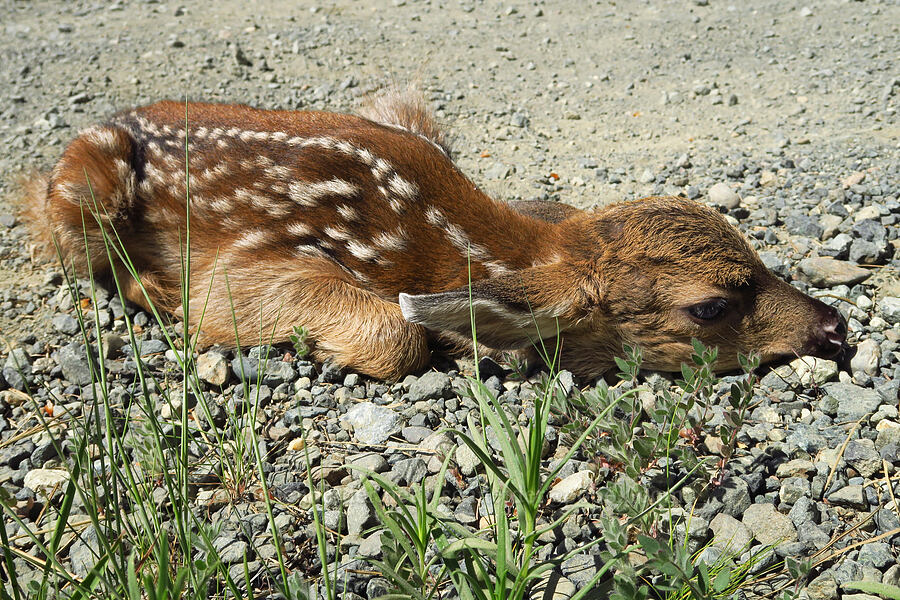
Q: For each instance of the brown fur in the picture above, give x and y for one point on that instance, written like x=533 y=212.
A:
x=364 y=231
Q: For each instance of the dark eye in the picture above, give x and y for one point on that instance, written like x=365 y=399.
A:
x=709 y=310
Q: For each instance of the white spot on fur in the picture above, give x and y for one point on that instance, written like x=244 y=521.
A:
x=310 y=251
x=458 y=237
x=309 y=193
x=348 y=213
x=402 y=188
x=380 y=168
x=337 y=232
x=102 y=137
x=252 y=239
x=299 y=229
x=362 y=251
x=395 y=241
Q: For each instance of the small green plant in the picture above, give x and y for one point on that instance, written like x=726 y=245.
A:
x=298 y=341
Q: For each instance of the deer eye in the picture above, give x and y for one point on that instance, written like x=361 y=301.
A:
x=709 y=310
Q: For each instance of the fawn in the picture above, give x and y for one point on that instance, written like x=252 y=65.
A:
x=363 y=230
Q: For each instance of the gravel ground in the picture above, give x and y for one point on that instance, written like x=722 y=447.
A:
x=783 y=113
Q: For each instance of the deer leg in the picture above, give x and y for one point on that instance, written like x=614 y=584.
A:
x=351 y=326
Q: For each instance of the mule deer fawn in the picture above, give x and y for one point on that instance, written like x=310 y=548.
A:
x=365 y=232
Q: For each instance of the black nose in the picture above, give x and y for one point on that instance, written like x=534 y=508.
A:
x=831 y=332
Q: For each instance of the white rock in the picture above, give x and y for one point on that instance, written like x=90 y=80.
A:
x=212 y=368
x=44 y=481
x=867 y=212
x=863 y=302
x=722 y=195
x=466 y=460
x=569 y=489
x=813 y=370
x=372 y=424
x=867 y=357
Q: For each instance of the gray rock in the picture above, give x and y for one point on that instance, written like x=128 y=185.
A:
x=370 y=461
x=414 y=435
x=85 y=551
x=837 y=247
x=410 y=471
x=862 y=456
x=212 y=367
x=827 y=272
x=847 y=571
x=431 y=386
x=848 y=401
x=734 y=494
x=849 y=495
x=730 y=534
x=331 y=373
x=769 y=526
x=17 y=369
x=378 y=587
x=74 y=364
x=273 y=372
x=372 y=424
x=360 y=515
x=803 y=512
x=147 y=348
x=580 y=568
x=867 y=253
x=722 y=195
x=812 y=536
x=823 y=587
x=230 y=550
x=465 y=511
x=892 y=576
x=65 y=324
x=792 y=489
x=466 y=460
x=437 y=446
x=889 y=308
x=876 y=554
x=811 y=370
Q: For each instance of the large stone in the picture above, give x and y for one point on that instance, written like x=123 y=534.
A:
x=722 y=195
x=889 y=307
x=74 y=364
x=730 y=534
x=430 y=386
x=372 y=424
x=572 y=487
x=812 y=370
x=769 y=526
x=850 y=495
x=212 y=368
x=45 y=481
x=828 y=272
x=848 y=401
x=862 y=456
x=271 y=371
x=867 y=357
x=17 y=369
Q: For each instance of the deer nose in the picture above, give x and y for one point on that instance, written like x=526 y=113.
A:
x=831 y=332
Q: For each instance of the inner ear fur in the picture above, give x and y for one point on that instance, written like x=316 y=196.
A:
x=511 y=310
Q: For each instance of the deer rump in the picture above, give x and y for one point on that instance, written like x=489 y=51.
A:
x=362 y=230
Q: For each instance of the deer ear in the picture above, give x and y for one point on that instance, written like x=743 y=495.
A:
x=511 y=310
